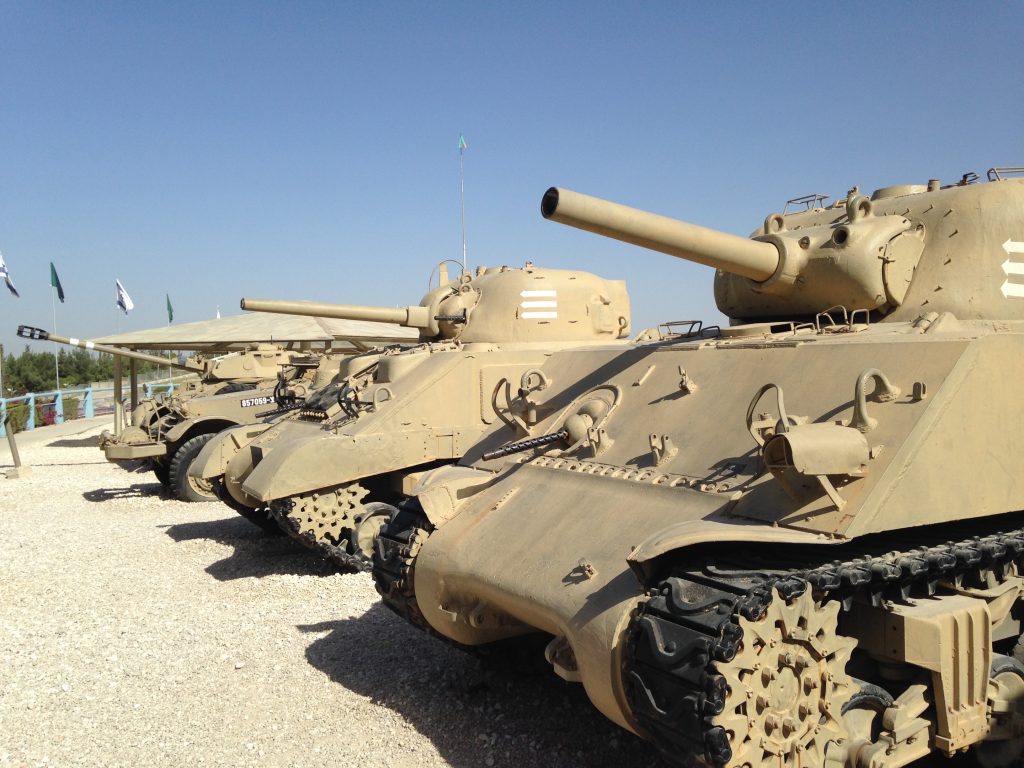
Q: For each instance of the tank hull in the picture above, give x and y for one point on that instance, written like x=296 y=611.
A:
x=432 y=412
x=633 y=513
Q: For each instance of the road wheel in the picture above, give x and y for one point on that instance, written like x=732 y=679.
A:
x=1008 y=716
x=184 y=487
x=368 y=524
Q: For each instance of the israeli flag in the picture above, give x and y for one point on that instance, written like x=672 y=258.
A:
x=124 y=301
x=7 y=278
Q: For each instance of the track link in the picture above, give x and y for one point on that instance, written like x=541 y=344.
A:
x=394 y=563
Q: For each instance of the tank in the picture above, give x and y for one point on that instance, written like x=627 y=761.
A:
x=332 y=471
x=792 y=541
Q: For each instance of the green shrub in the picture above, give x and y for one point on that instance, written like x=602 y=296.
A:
x=19 y=416
x=71 y=405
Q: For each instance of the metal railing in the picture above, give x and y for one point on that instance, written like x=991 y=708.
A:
x=89 y=401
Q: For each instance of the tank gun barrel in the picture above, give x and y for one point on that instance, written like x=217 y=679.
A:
x=410 y=317
x=38 y=334
x=730 y=253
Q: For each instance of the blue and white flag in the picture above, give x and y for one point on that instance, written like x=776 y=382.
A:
x=7 y=278
x=124 y=301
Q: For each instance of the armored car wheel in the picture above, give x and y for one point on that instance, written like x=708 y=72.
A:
x=162 y=472
x=189 y=488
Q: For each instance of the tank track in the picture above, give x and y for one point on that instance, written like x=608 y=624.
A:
x=394 y=561
x=283 y=510
x=689 y=628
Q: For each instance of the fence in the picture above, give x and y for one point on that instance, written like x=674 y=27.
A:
x=49 y=407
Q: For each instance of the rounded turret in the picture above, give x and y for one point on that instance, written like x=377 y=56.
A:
x=496 y=305
x=905 y=250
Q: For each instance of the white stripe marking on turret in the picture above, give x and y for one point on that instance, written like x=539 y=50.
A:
x=539 y=315
x=1013 y=246
x=536 y=304
x=538 y=294
x=1012 y=289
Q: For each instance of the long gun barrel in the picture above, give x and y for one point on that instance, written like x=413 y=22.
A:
x=38 y=334
x=730 y=253
x=410 y=317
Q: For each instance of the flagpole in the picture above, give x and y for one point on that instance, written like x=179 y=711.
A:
x=56 y=354
x=462 y=195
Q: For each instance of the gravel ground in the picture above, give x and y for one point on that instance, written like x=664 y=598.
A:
x=136 y=630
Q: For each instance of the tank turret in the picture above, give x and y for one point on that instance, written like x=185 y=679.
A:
x=264 y=361
x=903 y=251
x=496 y=305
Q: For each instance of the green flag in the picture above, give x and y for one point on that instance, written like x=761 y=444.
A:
x=462 y=143
x=55 y=282
x=170 y=309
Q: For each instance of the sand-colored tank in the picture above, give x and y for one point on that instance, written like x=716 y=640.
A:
x=331 y=472
x=793 y=541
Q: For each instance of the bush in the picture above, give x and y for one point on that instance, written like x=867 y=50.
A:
x=19 y=415
x=71 y=405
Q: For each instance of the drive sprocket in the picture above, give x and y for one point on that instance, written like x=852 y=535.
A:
x=334 y=522
x=787 y=684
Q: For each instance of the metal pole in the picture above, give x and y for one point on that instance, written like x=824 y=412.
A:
x=56 y=354
x=118 y=412
x=18 y=471
x=1 y=371
x=462 y=191
x=133 y=375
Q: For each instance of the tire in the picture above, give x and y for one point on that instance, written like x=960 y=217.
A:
x=258 y=517
x=184 y=487
x=162 y=472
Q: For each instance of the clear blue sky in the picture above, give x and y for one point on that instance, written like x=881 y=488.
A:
x=214 y=150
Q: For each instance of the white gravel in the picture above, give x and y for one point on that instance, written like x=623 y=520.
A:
x=137 y=630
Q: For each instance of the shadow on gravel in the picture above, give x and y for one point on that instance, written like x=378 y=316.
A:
x=133 y=491
x=477 y=716
x=256 y=554
x=474 y=715
x=93 y=441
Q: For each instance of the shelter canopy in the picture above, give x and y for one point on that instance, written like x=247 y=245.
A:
x=241 y=331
